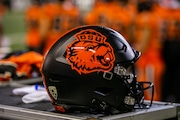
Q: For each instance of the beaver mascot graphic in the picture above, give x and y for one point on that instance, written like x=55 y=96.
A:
x=90 y=52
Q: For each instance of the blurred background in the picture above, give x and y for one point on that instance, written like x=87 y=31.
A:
x=150 y=26
x=12 y=13
x=13 y=24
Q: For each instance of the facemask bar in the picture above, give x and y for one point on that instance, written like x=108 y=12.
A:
x=136 y=89
x=149 y=85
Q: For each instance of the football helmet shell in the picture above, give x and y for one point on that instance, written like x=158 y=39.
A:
x=87 y=70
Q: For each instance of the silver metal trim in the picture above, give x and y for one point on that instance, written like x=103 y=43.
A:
x=110 y=74
x=16 y=113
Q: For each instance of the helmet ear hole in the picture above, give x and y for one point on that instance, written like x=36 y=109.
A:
x=104 y=91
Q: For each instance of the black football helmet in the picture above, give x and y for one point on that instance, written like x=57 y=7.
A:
x=91 y=69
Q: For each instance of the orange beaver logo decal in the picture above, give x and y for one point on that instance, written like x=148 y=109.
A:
x=90 y=52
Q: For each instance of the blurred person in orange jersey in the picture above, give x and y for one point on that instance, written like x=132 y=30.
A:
x=171 y=55
x=71 y=15
x=100 y=13
x=53 y=10
x=147 y=34
x=63 y=15
x=36 y=22
x=116 y=14
x=122 y=17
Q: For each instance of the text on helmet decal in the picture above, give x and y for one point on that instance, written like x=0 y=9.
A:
x=90 y=52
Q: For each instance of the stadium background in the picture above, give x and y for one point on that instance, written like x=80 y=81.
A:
x=15 y=28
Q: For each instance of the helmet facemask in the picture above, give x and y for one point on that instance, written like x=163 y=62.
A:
x=135 y=97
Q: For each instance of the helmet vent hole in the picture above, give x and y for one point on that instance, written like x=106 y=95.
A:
x=104 y=91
